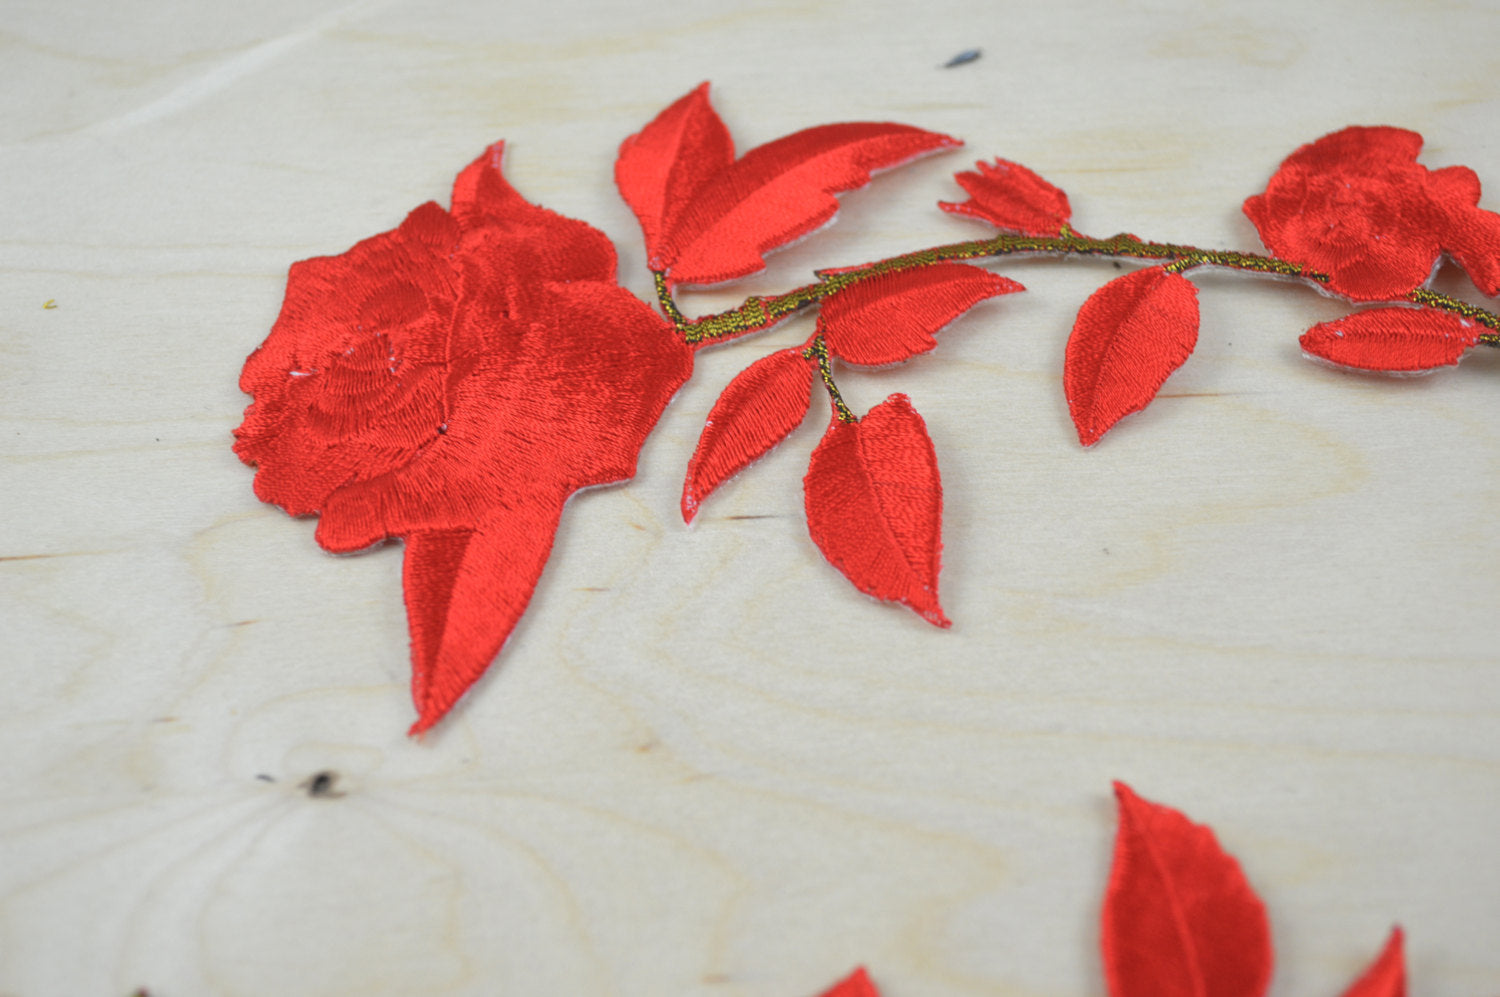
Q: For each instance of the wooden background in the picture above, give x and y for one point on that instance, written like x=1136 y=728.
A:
x=707 y=765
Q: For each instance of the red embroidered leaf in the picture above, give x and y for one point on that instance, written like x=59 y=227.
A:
x=1129 y=337
x=1179 y=918
x=1386 y=976
x=662 y=166
x=765 y=402
x=892 y=317
x=875 y=505
x=465 y=592
x=1473 y=239
x=856 y=984
x=778 y=192
x=1013 y=198
x=1392 y=339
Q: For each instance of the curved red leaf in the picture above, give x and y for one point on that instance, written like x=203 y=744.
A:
x=663 y=165
x=1129 y=337
x=875 y=505
x=1386 y=976
x=1392 y=339
x=1013 y=198
x=856 y=984
x=778 y=192
x=1180 y=920
x=465 y=591
x=764 y=402
x=892 y=316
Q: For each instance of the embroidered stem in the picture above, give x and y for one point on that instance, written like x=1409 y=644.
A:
x=1432 y=299
x=818 y=350
x=758 y=313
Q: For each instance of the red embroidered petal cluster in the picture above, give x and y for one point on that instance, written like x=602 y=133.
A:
x=453 y=381
x=1357 y=206
x=1013 y=198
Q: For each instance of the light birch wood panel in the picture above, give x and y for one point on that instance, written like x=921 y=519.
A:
x=706 y=765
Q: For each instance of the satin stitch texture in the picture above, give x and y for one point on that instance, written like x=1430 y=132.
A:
x=452 y=382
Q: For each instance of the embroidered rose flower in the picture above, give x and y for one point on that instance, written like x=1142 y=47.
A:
x=453 y=382
x=1357 y=206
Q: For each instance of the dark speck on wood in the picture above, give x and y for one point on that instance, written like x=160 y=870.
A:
x=322 y=785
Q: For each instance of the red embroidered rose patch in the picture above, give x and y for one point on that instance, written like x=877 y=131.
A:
x=452 y=382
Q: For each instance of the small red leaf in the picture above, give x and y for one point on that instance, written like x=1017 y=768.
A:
x=1180 y=920
x=778 y=192
x=856 y=984
x=1386 y=976
x=892 y=316
x=1473 y=240
x=1129 y=337
x=1392 y=339
x=765 y=402
x=1013 y=198
x=663 y=165
x=875 y=505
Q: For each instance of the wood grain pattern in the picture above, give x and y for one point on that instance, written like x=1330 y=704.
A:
x=706 y=766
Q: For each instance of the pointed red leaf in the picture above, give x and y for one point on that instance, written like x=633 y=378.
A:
x=465 y=591
x=1473 y=240
x=856 y=984
x=764 y=402
x=875 y=505
x=662 y=166
x=892 y=316
x=1392 y=339
x=1386 y=976
x=1013 y=198
x=778 y=192
x=1129 y=337
x=1180 y=920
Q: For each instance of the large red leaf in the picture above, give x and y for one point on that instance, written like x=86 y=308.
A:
x=1129 y=337
x=765 y=402
x=892 y=316
x=856 y=984
x=875 y=505
x=662 y=166
x=1392 y=339
x=1180 y=920
x=1386 y=976
x=778 y=192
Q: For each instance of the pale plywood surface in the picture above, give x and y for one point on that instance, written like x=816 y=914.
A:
x=708 y=766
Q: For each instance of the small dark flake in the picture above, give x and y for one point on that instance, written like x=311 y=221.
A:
x=963 y=58
x=321 y=785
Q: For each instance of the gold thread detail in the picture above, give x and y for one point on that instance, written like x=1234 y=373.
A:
x=818 y=350
x=759 y=313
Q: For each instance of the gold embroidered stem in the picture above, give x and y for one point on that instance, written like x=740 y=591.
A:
x=1432 y=299
x=759 y=313
x=668 y=305
x=818 y=350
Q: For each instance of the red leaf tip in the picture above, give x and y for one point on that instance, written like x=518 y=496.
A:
x=1386 y=976
x=856 y=984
